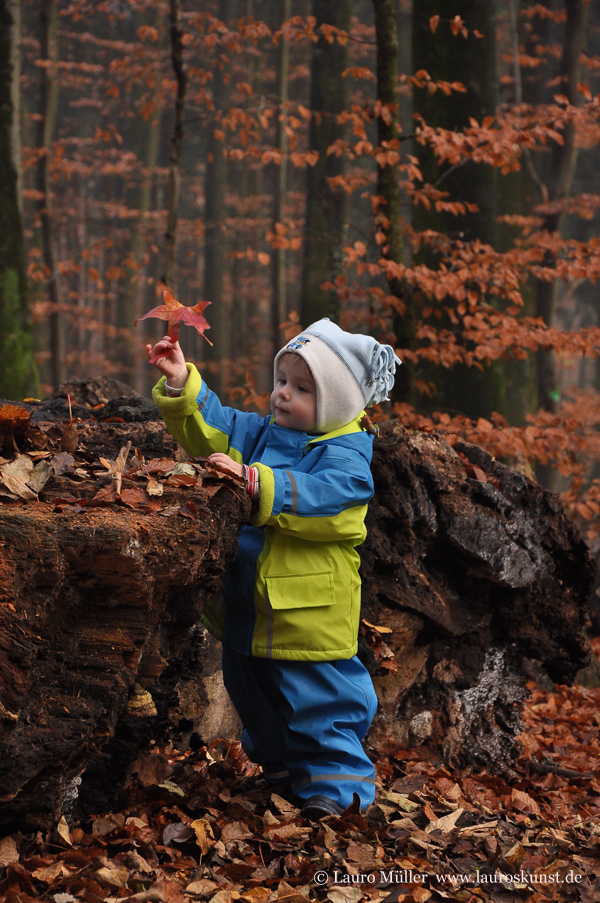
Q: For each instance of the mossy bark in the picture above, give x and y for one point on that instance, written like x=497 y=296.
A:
x=47 y=124
x=17 y=371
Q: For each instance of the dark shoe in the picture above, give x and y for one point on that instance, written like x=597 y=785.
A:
x=318 y=807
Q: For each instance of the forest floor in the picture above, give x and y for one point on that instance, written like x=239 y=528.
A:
x=203 y=825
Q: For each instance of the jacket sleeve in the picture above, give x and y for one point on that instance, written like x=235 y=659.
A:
x=326 y=503
x=202 y=425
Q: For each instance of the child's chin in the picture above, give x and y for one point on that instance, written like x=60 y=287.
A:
x=286 y=421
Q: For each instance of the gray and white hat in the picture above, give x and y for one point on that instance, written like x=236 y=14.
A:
x=350 y=371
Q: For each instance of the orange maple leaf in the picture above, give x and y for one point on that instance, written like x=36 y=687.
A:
x=175 y=313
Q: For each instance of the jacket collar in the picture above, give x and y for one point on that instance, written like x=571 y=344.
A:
x=355 y=426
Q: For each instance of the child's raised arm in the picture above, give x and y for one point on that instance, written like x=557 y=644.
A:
x=168 y=357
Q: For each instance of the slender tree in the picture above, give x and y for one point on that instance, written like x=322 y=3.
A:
x=215 y=260
x=47 y=126
x=389 y=207
x=279 y=302
x=16 y=359
x=558 y=187
x=179 y=66
x=326 y=207
x=147 y=142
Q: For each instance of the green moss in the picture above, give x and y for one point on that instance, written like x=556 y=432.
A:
x=17 y=370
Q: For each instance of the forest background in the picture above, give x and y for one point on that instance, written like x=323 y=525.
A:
x=425 y=171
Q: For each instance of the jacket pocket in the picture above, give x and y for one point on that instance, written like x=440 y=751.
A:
x=301 y=591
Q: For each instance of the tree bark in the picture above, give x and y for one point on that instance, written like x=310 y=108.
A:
x=16 y=358
x=388 y=218
x=564 y=158
x=49 y=104
x=326 y=207
x=130 y=301
x=98 y=601
x=470 y=60
x=279 y=300
x=477 y=570
x=174 y=162
x=215 y=258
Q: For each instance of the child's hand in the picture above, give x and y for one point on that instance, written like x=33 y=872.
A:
x=168 y=357
x=227 y=463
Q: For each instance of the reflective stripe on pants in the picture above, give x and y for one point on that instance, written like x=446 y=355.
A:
x=307 y=718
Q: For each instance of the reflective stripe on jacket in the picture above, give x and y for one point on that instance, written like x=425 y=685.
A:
x=293 y=591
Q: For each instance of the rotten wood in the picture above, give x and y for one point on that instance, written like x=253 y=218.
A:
x=477 y=570
x=92 y=601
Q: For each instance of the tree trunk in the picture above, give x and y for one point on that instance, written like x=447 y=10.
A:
x=279 y=300
x=388 y=217
x=469 y=570
x=477 y=570
x=16 y=359
x=215 y=258
x=130 y=301
x=99 y=599
x=326 y=206
x=471 y=61
x=49 y=104
x=564 y=157
x=174 y=162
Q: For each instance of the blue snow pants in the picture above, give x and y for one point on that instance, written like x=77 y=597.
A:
x=304 y=722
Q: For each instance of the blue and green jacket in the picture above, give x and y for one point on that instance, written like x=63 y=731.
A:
x=293 y=591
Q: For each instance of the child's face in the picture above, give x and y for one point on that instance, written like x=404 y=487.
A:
x=294 y=398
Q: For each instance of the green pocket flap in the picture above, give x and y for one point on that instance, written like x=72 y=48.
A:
x=301 y=591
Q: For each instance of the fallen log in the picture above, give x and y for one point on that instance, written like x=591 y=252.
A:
x=97 y=592
x=477 y=570
x=470 y=570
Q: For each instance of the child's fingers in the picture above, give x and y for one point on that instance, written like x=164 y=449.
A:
x=220 y=458
x=226 y=463
x=161 y=349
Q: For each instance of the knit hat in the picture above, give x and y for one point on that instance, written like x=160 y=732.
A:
x=350 y=371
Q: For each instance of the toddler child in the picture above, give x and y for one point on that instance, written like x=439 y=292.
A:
x=288 y=615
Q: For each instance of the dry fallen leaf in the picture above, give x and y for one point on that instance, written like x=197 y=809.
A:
x=62 y=462
x=154 y=487
x=134 y=497
x=63 y=831
x=106 y=496
x=8 y=852
x=116 y=468
x=203 y=887
x=40 y=476
x=16 y=474
x=190 y=510
x=445 y=824
x=524 y=802
x=204 y=834
x=119 y=876
x=344 y=894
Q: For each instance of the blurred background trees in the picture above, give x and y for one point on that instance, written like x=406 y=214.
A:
x=426 y=171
